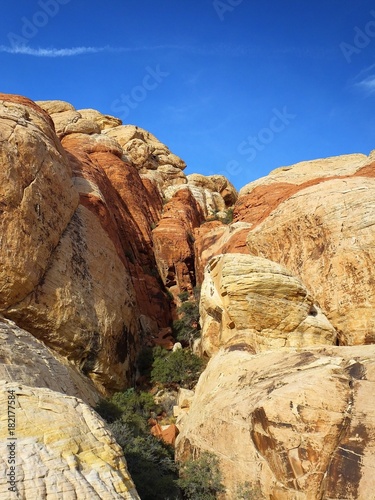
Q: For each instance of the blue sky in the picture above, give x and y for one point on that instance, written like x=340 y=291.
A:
x=237 y=87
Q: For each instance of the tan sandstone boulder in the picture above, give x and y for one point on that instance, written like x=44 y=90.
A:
x=152 y=158
x=37 y=197
x=83 y=244
x=26 y=360
x=294 y=424
x=251 y=300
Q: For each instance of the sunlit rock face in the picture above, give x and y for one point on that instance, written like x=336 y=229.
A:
x=291 y=423
x=251 y=300
x=69 y=453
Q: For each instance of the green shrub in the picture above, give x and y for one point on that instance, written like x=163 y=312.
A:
x=144 y=361
x=150 y=463
x=136 y=408
x=108 y=410
x=248 y=491
x=187 y=328
x=228 y=216
x=180 y=367
x=201 y=479
x=183 y=296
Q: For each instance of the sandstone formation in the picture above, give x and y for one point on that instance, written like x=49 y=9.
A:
x=174 y=242
x=214 y=194
x=69 y=454
x=101 y=231
x=68 y=120
x=150 y=156
x=324 y=234
x=83 y=280
x=214 y=238
x=292 y=423
x=26 y=360
x=36 y=192
x=255 y=302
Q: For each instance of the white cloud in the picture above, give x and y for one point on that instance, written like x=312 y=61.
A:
x=365 y=80
x=209 y=50
x=39 y=52
x=368 y=84
x=76 y=51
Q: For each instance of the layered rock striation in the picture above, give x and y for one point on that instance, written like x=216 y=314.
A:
x=68 y=454
x=255 y=302
x=101 y=231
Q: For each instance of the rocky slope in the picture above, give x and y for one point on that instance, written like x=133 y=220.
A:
x=87 y=279
x=68 y=454
x=295 y=423
x=101 y=231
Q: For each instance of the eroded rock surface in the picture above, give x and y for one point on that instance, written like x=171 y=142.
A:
x=251 y=300
x=36 y=192
x=79 y=219
x=174 y=242
x=325 y=235
x=293 y=423
x=69 y=454
x=26 y=360
x=150 y=156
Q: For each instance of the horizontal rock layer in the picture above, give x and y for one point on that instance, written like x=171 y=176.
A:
x=251 y=300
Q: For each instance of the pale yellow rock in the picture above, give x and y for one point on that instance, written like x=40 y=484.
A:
x=259 y=303
x=26 y=360
x=62 y=449
x=104 y=121
x=295 y=424
x=215 y=183
x=53 y=107
x=309 y=170
x=325 y=235
x=151 y=157
x=37 y=199
x=69 y=122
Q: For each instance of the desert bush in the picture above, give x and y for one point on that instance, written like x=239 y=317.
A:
x=183 y=296
x=181 y=367
x=187 y=329
x=150 y=461
x=200 y=479
x=228 y=216
x=248 y=491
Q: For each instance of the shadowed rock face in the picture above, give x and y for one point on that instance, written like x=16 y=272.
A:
x=296 y=424
x=174 y=242
x=26 y=360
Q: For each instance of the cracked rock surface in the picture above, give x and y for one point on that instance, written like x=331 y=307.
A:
x=298 y=424
x=67 y=454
